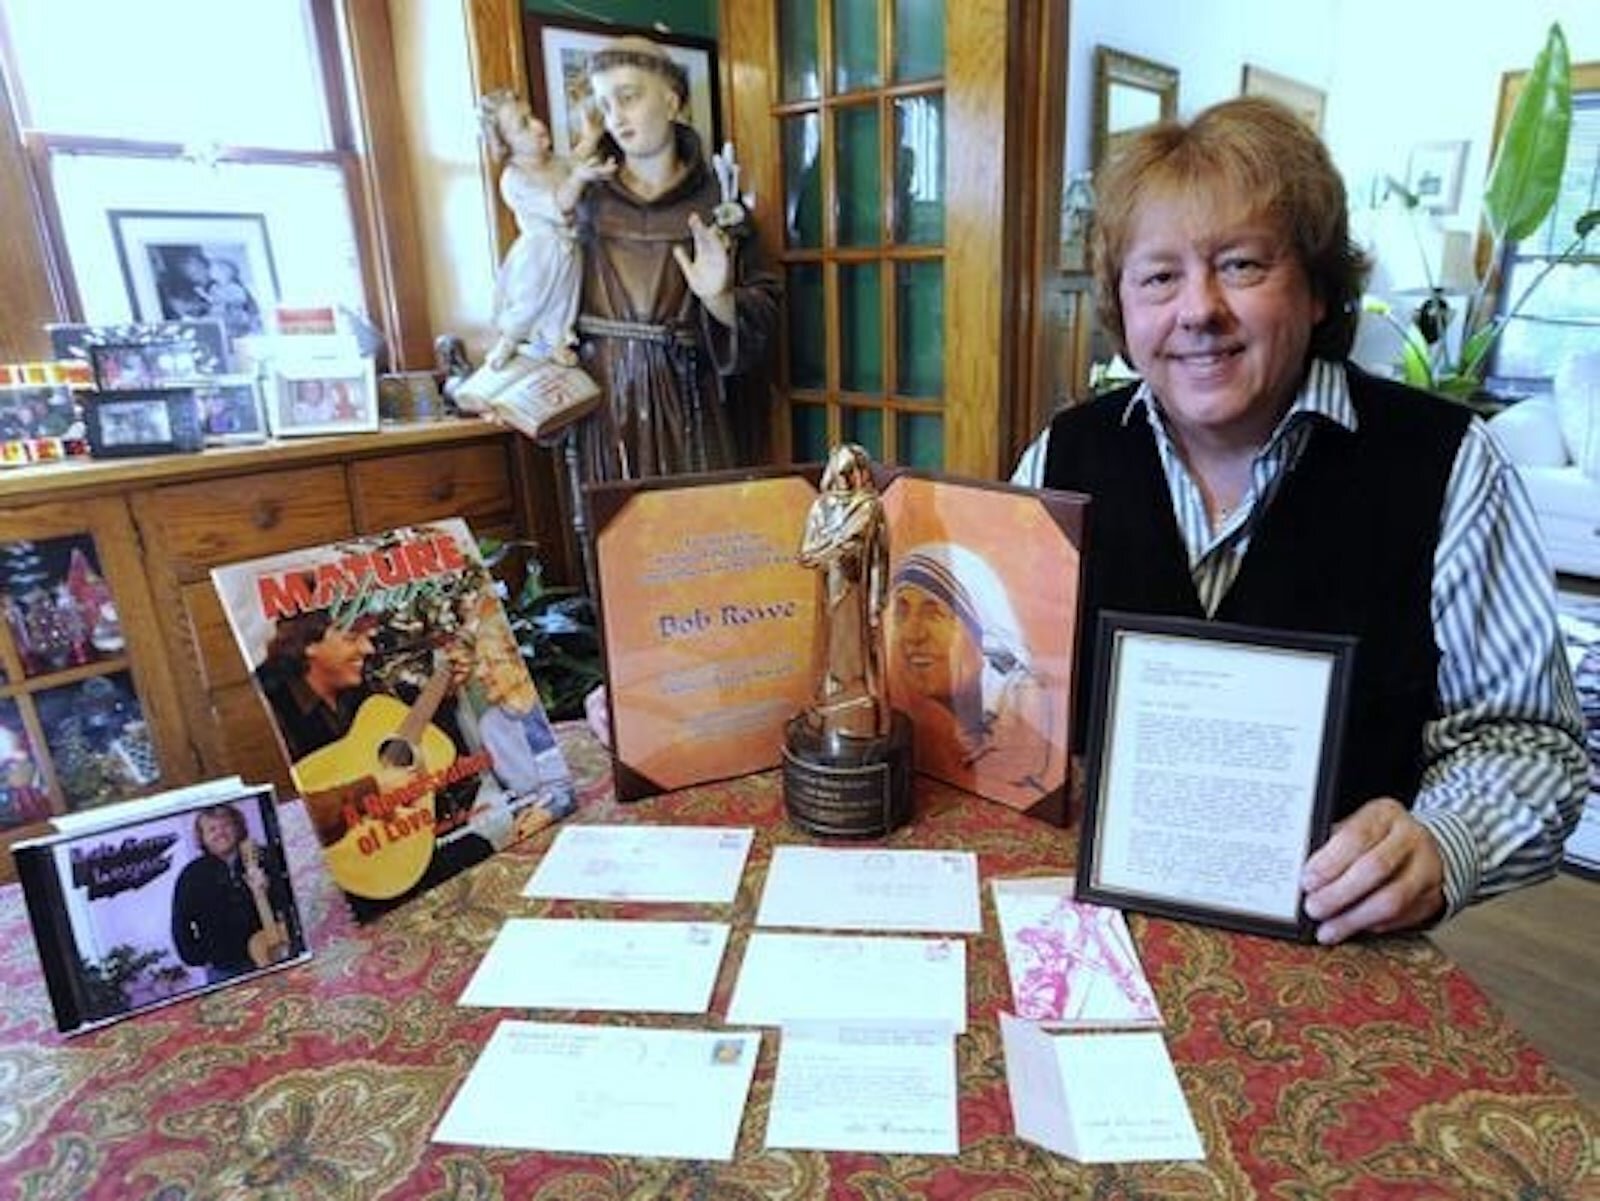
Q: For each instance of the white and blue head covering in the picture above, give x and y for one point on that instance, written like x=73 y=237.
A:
x=969 y=587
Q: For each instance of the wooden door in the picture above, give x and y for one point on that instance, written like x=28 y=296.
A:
x=875 y=135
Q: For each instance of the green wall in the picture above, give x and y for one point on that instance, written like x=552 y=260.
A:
x=696 y=17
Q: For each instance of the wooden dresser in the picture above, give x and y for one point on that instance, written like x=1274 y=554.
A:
x=158 y=525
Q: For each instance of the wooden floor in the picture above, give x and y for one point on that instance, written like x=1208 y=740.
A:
x=1536 y=952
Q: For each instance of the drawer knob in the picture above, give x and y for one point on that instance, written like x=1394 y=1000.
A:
x=265 y=515
x=442 y=489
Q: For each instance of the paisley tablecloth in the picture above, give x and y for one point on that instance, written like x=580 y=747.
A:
x=1368 y=1071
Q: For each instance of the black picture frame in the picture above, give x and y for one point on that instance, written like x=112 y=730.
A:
x=129 y=366
x=1227 y=847
x=187 y=265
x=103 y=891
x=231 y=410
x=150 y=421
x=75 y=341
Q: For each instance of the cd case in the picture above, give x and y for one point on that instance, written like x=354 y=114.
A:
x=139 y=904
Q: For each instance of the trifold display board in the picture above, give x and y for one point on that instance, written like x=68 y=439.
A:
x=709 y=624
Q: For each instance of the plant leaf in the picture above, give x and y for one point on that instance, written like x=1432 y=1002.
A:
x=1415 y=368
x=1476 y=349
x=1526 y=177
x=1585 y=223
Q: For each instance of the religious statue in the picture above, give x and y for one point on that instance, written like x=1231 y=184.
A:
x=847 y=755
x=845 y=540
x=536 y=291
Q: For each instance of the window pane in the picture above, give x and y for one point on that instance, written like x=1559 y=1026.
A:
x=855 y=44
x=860 y=183
x=860 y=325
x=59 y=607
x=802 y=180
x=285 y=228
x=921 y=438
x=797 y=41
x=808 y=367
x=918 y=39
x=919 y=328
x=98 y=740
x=864 y=426
x=919 y=170
x=1558 y=321
x=191 y=71
x=23 y=797
x=809 y=432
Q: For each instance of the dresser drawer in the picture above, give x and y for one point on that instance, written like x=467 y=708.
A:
x=467 y=481
x=195 y=527
x=249 y=747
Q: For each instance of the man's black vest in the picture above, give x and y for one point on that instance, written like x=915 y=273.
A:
x=1346 y=547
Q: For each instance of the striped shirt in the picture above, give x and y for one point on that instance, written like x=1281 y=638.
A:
x=1506 y=773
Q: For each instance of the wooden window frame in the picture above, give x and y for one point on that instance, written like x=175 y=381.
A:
x=355 y=47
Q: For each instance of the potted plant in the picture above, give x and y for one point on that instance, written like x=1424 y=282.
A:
x=555 y=628
x=1523 y=185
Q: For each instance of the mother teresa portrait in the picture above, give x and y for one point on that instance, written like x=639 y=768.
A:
x=958 y=666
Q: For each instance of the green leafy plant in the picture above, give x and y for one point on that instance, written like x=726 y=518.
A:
x=1523 y=185
x=555 y=627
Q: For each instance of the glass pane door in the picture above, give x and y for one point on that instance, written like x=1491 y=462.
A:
x=861 y=131
x=73 y=732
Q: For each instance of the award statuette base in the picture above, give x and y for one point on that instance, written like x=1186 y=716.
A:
x=847 y=786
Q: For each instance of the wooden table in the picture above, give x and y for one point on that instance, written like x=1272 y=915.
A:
x=1374 y=1070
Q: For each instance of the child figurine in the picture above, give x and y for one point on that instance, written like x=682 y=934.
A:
x=536 y=292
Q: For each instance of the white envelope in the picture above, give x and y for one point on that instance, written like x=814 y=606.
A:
x=818 y=977
x=605 y=1090
x=636 y=966
x=833 y=888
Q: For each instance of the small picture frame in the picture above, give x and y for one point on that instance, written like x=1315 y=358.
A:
x=1212 y=756
x=126 y=366
x=133 y=905
x=231 y=410
x=1433 y=175
x=323 y=396
x=151 y=421
x=74 y=342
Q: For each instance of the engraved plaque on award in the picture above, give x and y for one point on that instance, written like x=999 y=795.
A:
x=847 y=756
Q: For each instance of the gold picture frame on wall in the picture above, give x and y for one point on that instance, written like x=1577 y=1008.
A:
x=1130 y=93
x=1305 y=101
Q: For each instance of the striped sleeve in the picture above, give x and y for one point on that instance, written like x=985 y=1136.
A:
x=1029 y=471
x=1506 y=771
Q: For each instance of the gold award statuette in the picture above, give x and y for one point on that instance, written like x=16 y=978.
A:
x=847 y=756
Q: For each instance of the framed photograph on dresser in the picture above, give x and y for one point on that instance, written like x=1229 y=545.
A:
x=323 y=396
x=1212 y=755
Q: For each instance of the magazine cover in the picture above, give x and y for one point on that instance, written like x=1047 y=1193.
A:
x=157 y=899
x=402 y=704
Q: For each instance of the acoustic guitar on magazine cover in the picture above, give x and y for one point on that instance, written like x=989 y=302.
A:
x=378 y=776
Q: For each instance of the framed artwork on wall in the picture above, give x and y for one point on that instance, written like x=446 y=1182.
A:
x=1305 y=101
x=1433 y=175
x=558 y=59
